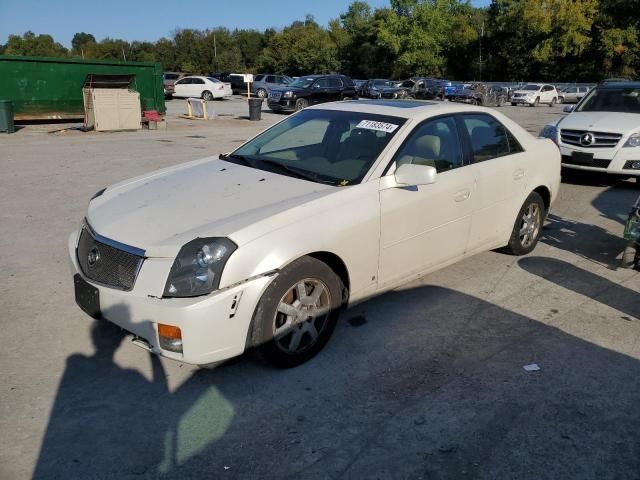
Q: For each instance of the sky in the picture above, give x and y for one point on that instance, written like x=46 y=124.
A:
x=151 y=20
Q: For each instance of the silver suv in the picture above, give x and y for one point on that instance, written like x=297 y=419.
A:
x=263 y=83
x=572 y=94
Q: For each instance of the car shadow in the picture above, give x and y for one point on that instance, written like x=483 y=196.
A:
x=588 y=241
x=425 y=382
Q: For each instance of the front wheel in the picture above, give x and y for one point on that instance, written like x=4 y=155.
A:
x=553 y=102
x=261 y=93
x=207 y=95
x=527 y=227
x=560 y=99
x=301 y=104
x=297 y=313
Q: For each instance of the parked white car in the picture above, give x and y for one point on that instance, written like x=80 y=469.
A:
x=262 y=247
x=206 y=88
x=602 y=132
x=534 y=94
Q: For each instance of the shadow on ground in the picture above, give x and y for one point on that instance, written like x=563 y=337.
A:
x=424 y=383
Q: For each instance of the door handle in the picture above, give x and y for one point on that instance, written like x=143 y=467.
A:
x=518 y=174
x=462 y=195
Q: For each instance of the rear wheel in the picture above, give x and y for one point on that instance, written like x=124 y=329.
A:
x=553 y=102
x=297 y=313
x=527 y=227
x=207 y=95
x=301 y=104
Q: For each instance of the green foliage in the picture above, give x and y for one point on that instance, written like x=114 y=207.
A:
x=556 y=40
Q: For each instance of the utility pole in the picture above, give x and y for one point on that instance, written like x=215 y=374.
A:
x=481 y=35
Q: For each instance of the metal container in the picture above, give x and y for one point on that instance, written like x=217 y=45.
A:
x=51 y=88
x=6 y=116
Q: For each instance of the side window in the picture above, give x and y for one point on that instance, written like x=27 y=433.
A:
x=434 y=143
x=489 y=138
x=197 y=81
x=258 y=78
x=335 y=82
x=321 y=83
x=184 y=81
x=271 y=79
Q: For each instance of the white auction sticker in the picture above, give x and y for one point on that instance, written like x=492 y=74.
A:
x=380 y=126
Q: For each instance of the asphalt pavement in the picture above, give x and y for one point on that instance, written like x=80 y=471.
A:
x=423 y=382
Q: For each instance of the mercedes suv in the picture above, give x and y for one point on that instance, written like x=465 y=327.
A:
x=602 y=132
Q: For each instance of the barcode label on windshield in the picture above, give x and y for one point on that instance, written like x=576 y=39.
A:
x=380 y=126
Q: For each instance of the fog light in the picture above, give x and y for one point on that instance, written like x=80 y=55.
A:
x=170 y=338
x=635 y=165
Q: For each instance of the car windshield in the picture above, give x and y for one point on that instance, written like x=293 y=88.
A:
x=625 y=100
x=287 y=80
x=302 y=82
x=531 y=87
x=326 y=146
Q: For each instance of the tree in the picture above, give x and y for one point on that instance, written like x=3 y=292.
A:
x=80 y=41
x=32 y=45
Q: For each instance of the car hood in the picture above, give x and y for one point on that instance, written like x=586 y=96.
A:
x=162 y=211
x=615 y=122
x=527 y=92
x=287 y=89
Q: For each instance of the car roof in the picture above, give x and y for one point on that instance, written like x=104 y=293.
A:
x=399 y=108
x=619 y=84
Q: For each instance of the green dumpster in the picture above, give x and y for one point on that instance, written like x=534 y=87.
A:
x=6 y=116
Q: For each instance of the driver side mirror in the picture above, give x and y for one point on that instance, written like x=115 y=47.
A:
x=568 y=109
x=410 y=174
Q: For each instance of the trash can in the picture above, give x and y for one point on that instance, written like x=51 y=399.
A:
x=6 y=116
x=255 y=109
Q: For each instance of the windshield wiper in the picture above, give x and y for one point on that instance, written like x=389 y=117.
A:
x=294 y=171
x=235 y=156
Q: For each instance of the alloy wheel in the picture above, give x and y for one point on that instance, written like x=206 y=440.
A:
x=530 y=225
x=301 y=316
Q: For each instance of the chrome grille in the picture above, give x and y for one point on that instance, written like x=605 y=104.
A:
x=275 y=96
x=106 y=264
x=601 y=139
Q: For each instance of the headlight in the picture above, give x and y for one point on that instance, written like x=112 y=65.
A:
x=549 y=131
x=287 y=94
x=198 y=267
x=634 y=140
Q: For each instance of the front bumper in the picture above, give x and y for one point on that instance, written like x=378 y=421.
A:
x=522 y=100
x=618 y=162
x=214 y=327
x=282 y=105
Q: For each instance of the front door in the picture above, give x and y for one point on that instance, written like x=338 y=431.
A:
x=427 y=225
x=319 y=91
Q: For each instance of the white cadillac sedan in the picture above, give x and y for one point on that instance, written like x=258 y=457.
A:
x=262 y=247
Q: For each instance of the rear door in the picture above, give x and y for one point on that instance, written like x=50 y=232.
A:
x=334 y=89
x=197 y=87
x=499 y=166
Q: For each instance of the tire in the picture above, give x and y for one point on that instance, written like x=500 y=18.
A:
x=560 y=99
x=629 y=257
x=513 y=104
x=301 y=104
x=283 y=307
x=553 y=102
x=207 y=96
x=261 y=93
x=521 y=243
x=536 y=103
